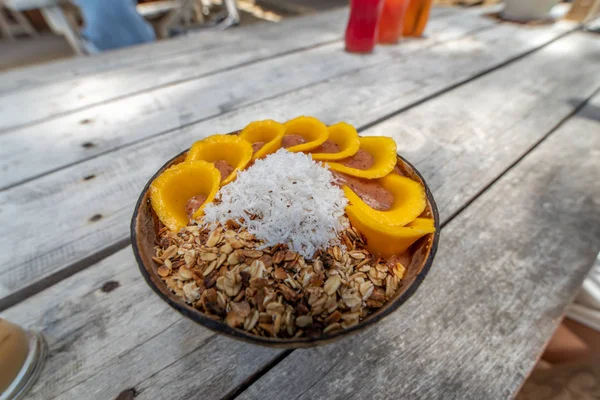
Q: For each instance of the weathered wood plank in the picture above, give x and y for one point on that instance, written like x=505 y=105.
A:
x=121 y=337
x=506 y=269
x=263 y=39
x=52 y=100
x=157 y=351
x=178 y=105
x=119 y=176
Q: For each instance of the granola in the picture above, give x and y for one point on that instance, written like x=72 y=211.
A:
x=273 y=291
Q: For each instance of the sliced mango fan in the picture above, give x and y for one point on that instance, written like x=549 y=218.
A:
x=390 y=232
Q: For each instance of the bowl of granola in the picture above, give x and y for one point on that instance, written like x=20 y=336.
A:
x=286 y=235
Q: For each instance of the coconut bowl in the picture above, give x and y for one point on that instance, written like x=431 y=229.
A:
x=144 y=233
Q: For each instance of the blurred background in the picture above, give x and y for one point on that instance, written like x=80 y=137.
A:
x=38 y=31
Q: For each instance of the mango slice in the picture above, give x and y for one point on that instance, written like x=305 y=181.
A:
x=232 y=149
x=383 y=152
x=171 y=190
x=388 y=240
x=312 y=131
x=409 y=201
x=268 y=133
x=345 y=137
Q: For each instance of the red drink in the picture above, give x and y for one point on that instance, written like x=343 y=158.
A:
x=392 y=20
x=361 y=32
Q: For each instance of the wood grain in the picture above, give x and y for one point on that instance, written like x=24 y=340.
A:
x=263 y=39
x=506 y=269
x=167 y=108
x=107 y=343
x=53 y=100
x=118 y=177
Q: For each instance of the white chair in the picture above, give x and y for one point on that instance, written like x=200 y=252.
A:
x=55 y=17
x=19 y=25
x=181 y=14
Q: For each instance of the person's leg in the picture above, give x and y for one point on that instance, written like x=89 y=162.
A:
x=586 y=308
x=566 y=346
x=111 y=24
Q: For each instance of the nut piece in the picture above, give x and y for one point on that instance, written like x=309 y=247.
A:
x=189 y=258
x=252 y=253
x=233 y=259
x=191 y=292
x=399 y=270
x=332 y=284
x=366 y=289
x=333 y=318
x=289 y=256
x=350 y=319
x=226 y=248
x=333 y=327
x=251 y=320
x=278 y=257
x=391 y=285
x=304 y=321
x=214 y=238
x=211 y=267
x=275 y=308
x=208 y=256
x=351 y=300
x=377 y=298
x=185 y=273
x=358 y=255
x=280 y=274
x=170 y=252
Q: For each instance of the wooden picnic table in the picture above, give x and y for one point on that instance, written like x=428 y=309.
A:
x=503 y=121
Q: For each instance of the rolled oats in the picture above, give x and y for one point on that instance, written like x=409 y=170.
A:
x=208 y=256
x=273 y=291
x=332 y=284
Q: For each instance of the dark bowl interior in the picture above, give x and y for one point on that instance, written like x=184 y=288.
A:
x=144 y=229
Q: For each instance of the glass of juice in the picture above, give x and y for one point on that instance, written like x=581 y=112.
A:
x=417 y=15
x=22 y=355
x=392 y=20
x=361 y=33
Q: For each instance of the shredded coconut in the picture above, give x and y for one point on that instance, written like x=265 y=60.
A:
x=293 y=199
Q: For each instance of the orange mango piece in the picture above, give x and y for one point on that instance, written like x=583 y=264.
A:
x=383 y=151
x=232 y=149
x=409 y=201
x=171 y=190
x=388 y=240
x=346 y=137
x=313 y=131
x=268 y=132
